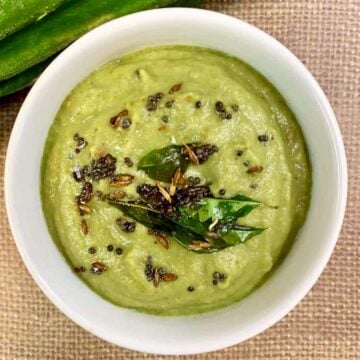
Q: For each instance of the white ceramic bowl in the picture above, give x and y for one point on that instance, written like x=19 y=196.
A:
x=302 y=266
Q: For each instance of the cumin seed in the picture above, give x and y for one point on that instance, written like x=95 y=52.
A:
x=121 y=180
x=156 y=278
x=98 y=268
x=164 y=192
x=192 y=155
x=84 y=209
x=84 y=227
x=117 y=195
x=175 y=88
x=174 y=181
x=199 y=245
x=255 y=169
x=163 y=241
x=168 y=277
x=115 y=120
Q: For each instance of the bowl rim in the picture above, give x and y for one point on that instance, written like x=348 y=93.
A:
x=294 y=299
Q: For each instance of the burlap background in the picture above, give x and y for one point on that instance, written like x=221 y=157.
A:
x=324 y=34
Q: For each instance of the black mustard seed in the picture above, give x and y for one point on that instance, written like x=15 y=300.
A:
x=91 y=250
x=263 y=138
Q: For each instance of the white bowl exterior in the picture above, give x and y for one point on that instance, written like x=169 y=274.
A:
x=307 y=258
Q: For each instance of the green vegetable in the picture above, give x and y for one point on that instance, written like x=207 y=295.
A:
x=24 y=79
x=191 y=232
x=16 y=14
x=39 y=40
x=161 y=164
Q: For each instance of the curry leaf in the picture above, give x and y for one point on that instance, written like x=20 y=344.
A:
x=238 y=234
x=160 y=164
x=189 y=219
x=224 y=210
x=192 y=241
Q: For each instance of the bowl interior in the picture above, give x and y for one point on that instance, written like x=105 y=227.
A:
x=307 y=258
